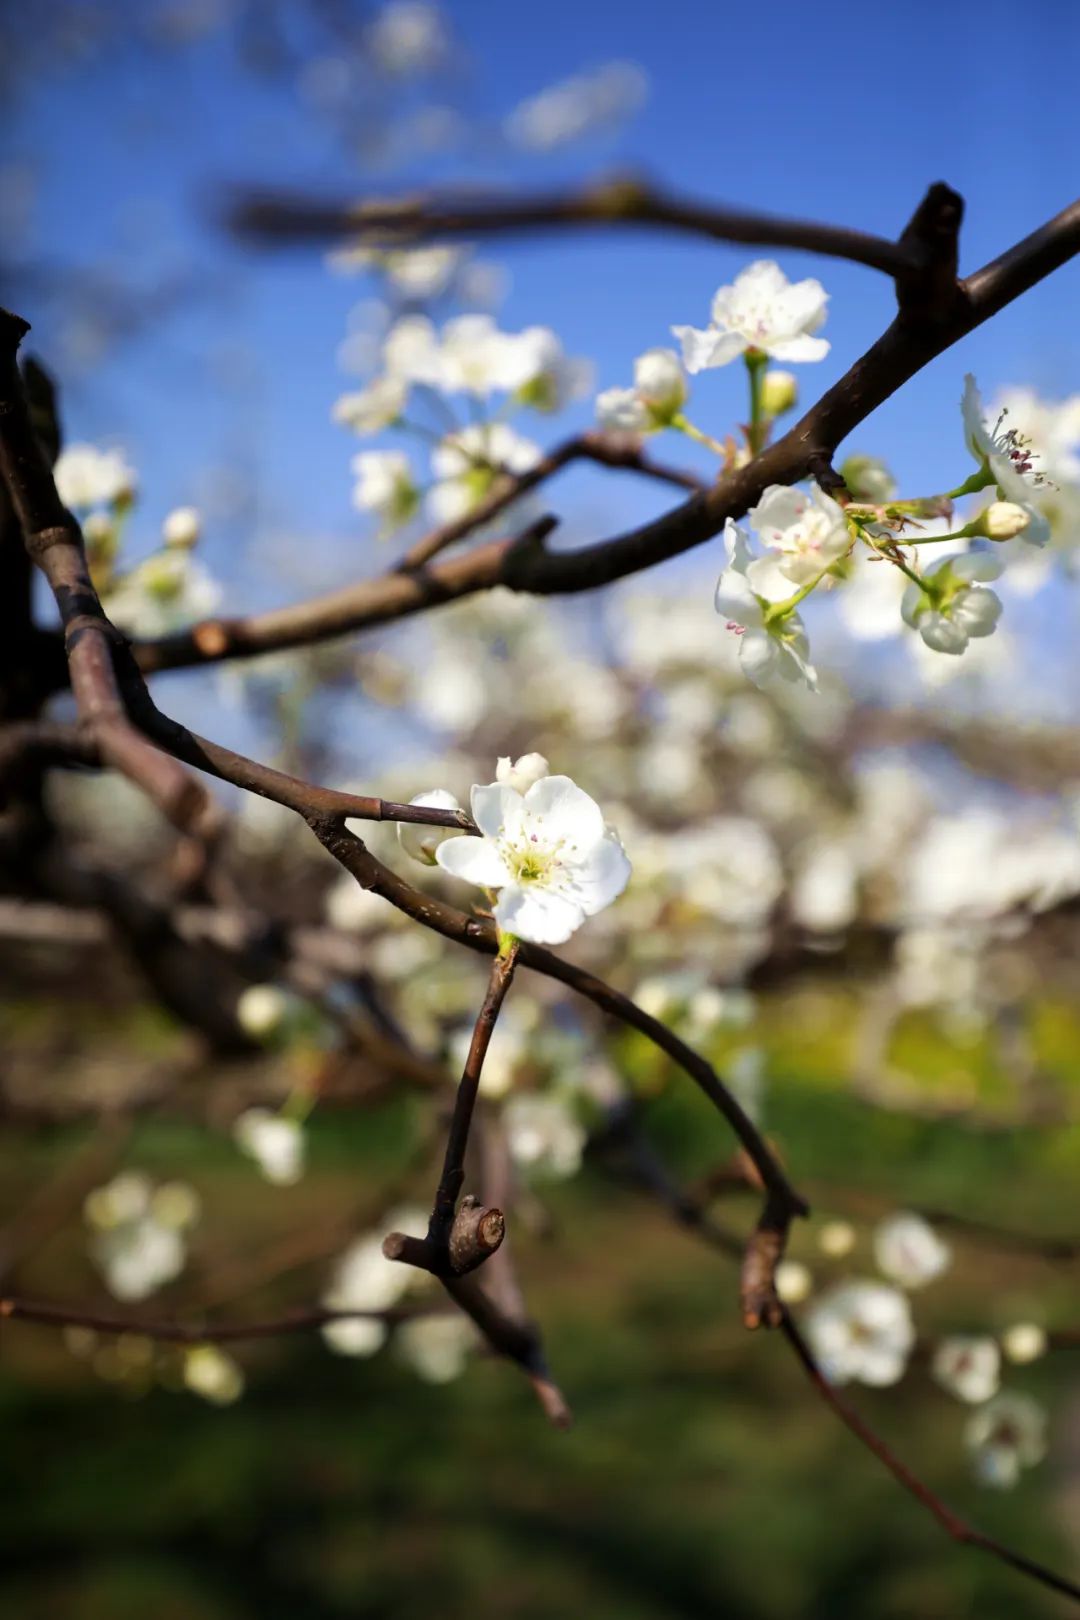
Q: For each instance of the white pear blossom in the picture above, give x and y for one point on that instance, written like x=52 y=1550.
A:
x=969 y=1368
x=437 y=1348
x=421 y=842
x=908 y=1251
x=520 y=774
x=411 y=352
x=466 y=465
x=209 y=1372
x=1054 y=425
x=824 y=889
x=182 y=528
x=547 y=851
x=475 y=357
x=861 y=1331
x=274 y=1141
x=370 y=409
x=384 y=484
x=422 y=272
x=138 y=1239
x=659 y=393
x=808 y=531
x=166 y=592
x=837 y=1239
x=763 y=312
x=1024 y=1342
x=365 y=1280
x=951 y=608
x=552 y=379
x=543 y=1133
x=1004 y=1436
x=794 y=1282
x=262 y=1011
x=87 y=477
x=770 y=648
x=352 y=908
x=1009 y=459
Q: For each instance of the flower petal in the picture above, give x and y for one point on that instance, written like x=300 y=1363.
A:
x=556 y=809
x=496 y=808
x=474 y=860
x=703 y=350
x=538 y=914
x=801 y=348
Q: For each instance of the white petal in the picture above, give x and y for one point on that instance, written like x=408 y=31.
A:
x=703 y=350
x=802 y=348
x=600 y=879
x=496 y=808
x=538 y=914
x=556 y=808
x=758 y=656
x=766 y=578
x=736 y=602
x=474 y=860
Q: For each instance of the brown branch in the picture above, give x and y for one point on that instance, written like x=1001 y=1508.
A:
x=275 y=218
x=54 y=542
x=933 y=316
x=954 y=1526
x=49 y=1313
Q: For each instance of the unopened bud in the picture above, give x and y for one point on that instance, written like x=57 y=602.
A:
x=779 y=392
x=1023 y=1342
x=261 y=1011
x=521 y=773
x=1003 y=520
x=182 y=528
x=661 y=383
x=419 y=841
x=868 y=479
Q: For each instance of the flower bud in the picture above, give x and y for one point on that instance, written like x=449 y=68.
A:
x=1003 y=520
x=868 y=479
x=1023 y=1342
x=521 y=773
x=836 y=1239
x=261 y=1010
x=779 y=392
x=621 y=411
x=794 y=1282
x=182 y=528
x=420 y=842
x=660 y=383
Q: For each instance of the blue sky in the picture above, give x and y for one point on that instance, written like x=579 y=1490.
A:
x=840 y=111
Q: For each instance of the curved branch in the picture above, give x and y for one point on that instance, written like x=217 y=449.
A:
x=936 y=312
x=276 y=217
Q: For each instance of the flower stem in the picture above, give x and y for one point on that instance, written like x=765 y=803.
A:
x=682 y=425
x=756 y=364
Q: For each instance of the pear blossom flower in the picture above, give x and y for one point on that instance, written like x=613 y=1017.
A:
x=1004 y=1436
x=1054 y=425
x=520 y=774
x=262 y=1010
x=953 y=608
x=437 y=1347
x=87 y=477
x=275 y=1142
x=794 y=1282
x=411 y=352
x=969 y=1368
x=209 y=1372
x=908 y=1251
x=861 y=1331
x=475 y=357
x=138 y=1232
x=384 y=484
x=163 y=593
x=761 y=312
x=837 y=1239
x=547 y=851
x=421 y=842
x=769 y=649
x=1008 y=458
x=365 y=1280
x=466 y=465
x=370 y=409
x=551 y=378
x=807 y=531
x=544 y=1134
x=1024 y=1342
x=182 y=528
x=659 y=393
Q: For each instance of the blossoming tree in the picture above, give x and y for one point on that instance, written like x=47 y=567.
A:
x=682 y=894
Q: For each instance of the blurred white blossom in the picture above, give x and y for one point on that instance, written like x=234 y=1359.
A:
x=761 y=311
